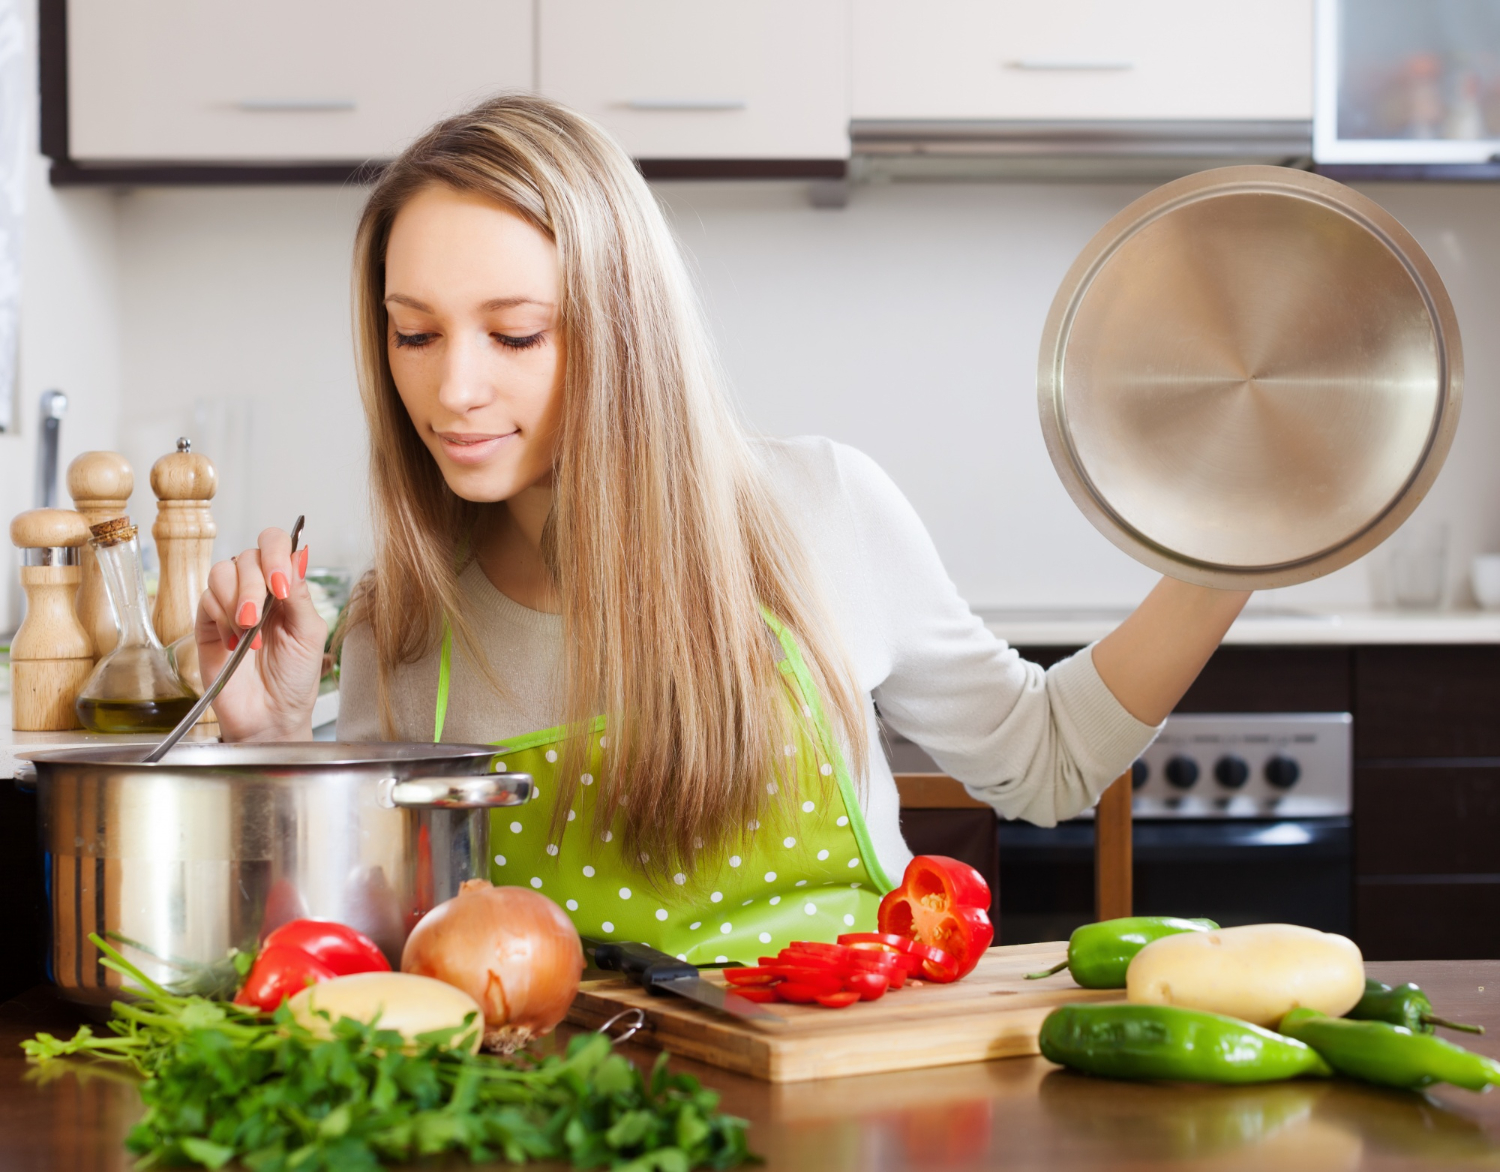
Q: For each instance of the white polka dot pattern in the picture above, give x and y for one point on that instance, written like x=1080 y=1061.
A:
x=810 y=908
x=515 y=828
x=499 y=860
x=842 y=820
x=624 y=893
x=572 y=905
x=770 y=876
x=587 y=779
x=734 y=860
x=808 y=807
x=721 y=960
x=535 y=882
x=552 y=849
x=764 y=937
x=716 y=896
x=695 y=925
x=726 y=928
x=825 y=769
x=661 y=914
x=607 y=926
x=588 y=872
x=822 y=855
x=552 y=756
x=848 y=920
x=679 y=879
x=789 y=842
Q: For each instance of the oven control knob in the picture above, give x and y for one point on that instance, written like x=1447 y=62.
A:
x=1182 y=772
x=1139 y=772
x=1231 y=772
x=1282 y=772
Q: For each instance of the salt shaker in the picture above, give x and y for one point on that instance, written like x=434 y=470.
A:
x=51 y=655
x=100 y=484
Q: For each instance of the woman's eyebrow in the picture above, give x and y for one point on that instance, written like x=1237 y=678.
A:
x=493 y=304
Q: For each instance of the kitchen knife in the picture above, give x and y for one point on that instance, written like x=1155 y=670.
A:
x=658 y=973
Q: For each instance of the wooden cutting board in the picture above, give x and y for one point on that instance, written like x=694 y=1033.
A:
x=994 y=1012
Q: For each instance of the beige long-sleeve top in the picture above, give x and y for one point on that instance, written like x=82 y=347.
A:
x=1034 y=744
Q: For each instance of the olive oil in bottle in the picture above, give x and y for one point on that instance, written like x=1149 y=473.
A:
x=136 y=688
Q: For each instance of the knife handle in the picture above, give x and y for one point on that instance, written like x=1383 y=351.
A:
x=642 y=964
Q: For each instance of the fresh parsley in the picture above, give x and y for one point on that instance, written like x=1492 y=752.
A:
x=222 y=1084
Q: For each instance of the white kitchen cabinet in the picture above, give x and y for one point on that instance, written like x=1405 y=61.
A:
x=1082 y=60
x=703 y=79
x=281 y=80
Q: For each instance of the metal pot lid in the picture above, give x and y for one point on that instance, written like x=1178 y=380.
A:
x=1250 y=377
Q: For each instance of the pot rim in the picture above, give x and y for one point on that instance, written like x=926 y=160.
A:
x=261 y=755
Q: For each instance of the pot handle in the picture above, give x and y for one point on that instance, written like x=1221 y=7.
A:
x=25 y=777
x=458 y=793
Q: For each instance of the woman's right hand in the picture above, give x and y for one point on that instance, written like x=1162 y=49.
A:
x=270 y=697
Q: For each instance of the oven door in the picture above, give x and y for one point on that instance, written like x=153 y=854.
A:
x=1232 y=871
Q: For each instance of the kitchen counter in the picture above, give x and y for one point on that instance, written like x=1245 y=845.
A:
x=1019 y=1113
x=1258 y=626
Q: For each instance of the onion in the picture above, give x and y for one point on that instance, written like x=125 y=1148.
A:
x=511 y=949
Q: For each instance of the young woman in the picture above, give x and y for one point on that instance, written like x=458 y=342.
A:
x=679 y=630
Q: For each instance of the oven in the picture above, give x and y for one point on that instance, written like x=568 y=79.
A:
x=1241 y=818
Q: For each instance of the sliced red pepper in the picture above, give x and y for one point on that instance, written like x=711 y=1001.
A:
x=341 y=948
x=280 y=971
x=799 y=993
x=874 y=940
x=747 y=977
x=936 y=965
x=760 y=995
x=815 y=948
x=943 y=903
x=838 y=1000
x=868 y=986
x=822 y=982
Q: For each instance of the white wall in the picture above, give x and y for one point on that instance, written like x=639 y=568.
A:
x=69 y=340
x=906 y=324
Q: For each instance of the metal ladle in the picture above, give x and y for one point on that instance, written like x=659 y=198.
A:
x=225 y=672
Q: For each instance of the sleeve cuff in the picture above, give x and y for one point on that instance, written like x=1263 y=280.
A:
x=1109 y=739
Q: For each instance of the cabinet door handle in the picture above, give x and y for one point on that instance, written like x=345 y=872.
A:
x=678 y=104
x=1068 y=65
x=295 y=105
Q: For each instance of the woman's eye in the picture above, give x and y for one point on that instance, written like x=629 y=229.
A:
x=513 y=343
x=414 y=340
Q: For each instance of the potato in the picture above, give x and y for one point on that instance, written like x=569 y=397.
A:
x=407 y=1003
x=1256 y=973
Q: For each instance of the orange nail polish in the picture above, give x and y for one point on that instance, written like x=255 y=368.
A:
x=232 y=642
x=279 y=585
x=246 y=617
x=302 y=562
x=256 y=645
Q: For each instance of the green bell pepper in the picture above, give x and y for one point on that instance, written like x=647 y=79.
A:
x=1405 y=1005
x=1099 y=954
x=1391 y=1055
x=1167 y=1042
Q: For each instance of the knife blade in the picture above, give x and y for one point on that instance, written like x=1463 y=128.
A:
x=658 y=973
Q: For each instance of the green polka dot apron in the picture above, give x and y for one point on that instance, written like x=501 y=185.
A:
x=809 y=880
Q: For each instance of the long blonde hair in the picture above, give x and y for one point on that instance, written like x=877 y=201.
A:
x=665 y=539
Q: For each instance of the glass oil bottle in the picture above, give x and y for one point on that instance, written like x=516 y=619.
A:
x=136 y=688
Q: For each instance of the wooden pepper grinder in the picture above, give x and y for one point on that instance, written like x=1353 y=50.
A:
x=184 y=483
x=51 y=655
x=100 y=484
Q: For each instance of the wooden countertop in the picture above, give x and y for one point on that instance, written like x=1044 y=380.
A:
x=1016 y=1113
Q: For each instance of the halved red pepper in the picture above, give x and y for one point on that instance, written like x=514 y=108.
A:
x=280 y=971
x=943 y=903
x=343 y=949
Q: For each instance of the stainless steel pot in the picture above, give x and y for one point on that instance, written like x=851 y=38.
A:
x=181 y=862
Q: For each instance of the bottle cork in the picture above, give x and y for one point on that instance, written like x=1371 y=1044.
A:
x=100 y=484
x=51 y=655
x=184 y=482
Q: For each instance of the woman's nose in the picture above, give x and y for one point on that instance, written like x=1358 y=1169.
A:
x=465 y=382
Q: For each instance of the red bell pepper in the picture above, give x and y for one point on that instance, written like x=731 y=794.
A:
x=342 y=949
x=942 y=903
x=280 y=971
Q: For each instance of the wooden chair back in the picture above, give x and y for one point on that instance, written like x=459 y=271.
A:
x=1112 y=831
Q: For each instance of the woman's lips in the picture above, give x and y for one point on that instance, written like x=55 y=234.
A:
x=472 y=448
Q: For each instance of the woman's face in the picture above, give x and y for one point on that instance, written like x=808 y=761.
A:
x=471 y=290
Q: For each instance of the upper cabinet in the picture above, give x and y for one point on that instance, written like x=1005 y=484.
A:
x=703 y=79
x=223 y=81
x=1082 y=60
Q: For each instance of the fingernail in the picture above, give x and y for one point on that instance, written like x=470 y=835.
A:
x=246 y=617
x=279 y=585
x=256 y=645
x=232 y=642
x=302 y=562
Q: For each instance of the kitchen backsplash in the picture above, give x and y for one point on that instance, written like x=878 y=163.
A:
x=905 y=324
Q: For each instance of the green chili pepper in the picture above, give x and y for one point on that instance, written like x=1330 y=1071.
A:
x=1405 y=1005
x=1167 y=1042
x=1390 y=1055
x=1099 y=954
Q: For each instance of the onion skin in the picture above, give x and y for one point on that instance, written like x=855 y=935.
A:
x=511 y=949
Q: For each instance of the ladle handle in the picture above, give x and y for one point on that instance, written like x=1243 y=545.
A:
x=461 y=793
x=234 y=661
